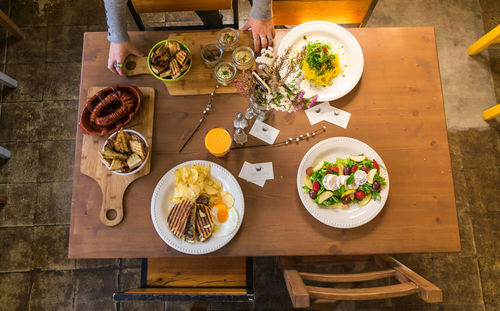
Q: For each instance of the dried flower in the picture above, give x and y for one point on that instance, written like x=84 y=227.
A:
x=243 y=83
x=283 y=76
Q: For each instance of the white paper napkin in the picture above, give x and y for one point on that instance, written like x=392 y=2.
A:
x=264 y=132
x=257 y=173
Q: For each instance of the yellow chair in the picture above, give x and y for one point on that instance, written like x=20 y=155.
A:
x=488 y=39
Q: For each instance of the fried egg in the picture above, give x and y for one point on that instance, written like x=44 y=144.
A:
x=225 y=220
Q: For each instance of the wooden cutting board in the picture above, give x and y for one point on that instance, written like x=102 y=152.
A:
x=113 y=186
x=200 y=79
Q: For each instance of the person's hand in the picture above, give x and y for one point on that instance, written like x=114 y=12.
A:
x=118 y=52
x=262 y=32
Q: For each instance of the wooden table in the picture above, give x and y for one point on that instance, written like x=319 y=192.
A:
x=397 y=108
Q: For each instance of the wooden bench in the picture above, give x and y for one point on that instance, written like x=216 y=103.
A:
x=197 y=279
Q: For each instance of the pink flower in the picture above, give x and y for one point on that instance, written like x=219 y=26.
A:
x=301 y=96
x=299 y=107
x=313 y=101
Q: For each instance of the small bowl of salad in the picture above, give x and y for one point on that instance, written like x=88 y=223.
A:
x=355 y=180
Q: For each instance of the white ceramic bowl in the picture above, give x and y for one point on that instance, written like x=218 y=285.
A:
x=137 y=169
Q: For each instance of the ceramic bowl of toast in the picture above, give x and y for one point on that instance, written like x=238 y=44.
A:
x=125 y=152
x=169 y=60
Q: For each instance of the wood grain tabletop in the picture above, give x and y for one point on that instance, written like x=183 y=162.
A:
x=397 y=109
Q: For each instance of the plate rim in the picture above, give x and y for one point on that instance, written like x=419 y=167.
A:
x=327 y=221
x=357 y=46
x=225 y=240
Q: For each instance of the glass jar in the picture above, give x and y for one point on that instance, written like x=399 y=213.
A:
x=257 y=109
x=211 y=55
x=228 y=38
x=243 y=57
x=225 y=73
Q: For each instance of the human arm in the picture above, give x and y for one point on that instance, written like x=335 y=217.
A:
x=120 y=46
x=261 y=23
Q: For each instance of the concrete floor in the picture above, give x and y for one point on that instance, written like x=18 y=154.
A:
x=38 y=124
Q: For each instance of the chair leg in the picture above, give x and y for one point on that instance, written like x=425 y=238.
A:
x=427 y=291
x=135 y=15
x=492 y=113
x=5 y=79
x=4 y=153
x=11 y=27
x=296 y=288
x=236 y=19
x=491 y=37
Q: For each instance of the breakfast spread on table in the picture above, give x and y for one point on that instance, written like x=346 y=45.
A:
x=124 y=152
x=198 y=209
x=348 y=181
x=201 y=209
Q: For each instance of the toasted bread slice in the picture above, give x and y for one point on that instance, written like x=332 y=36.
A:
x=182 y=57
x=133 y=161
x=166 y=73
x=137 y=147
x=109 y=154
x=116 y=165
x=174 y=68
x=121 y=142
x=158 y=69
x=173 y=46
x=204 y=222
x=177 y=219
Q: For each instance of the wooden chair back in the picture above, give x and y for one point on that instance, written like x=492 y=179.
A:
x=306 y=286
x=154 y=6
x=198 y=279
x=136 y=7
x=346 y=12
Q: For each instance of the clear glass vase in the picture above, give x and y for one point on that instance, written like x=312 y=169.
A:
x=257 y=109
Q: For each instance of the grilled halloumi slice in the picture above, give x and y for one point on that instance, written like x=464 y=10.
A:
x=177 y=219
x=204 y=222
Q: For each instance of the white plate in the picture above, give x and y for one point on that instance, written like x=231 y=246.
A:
x=329 y=150
x=160 y=207
x=343 y=42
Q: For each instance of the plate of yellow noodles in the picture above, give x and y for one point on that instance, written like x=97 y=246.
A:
x=330 y=57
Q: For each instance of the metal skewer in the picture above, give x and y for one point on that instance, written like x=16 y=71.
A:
x=203 y=117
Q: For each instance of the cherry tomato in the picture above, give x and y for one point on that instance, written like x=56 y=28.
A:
x=375 y=165
x=316 y=186
x=354 y=168
x=359 y=194
x=334 y=168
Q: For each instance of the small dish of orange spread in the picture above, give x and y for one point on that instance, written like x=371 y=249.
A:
x=218 y=142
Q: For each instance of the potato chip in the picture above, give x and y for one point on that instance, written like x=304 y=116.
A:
x=191 y=182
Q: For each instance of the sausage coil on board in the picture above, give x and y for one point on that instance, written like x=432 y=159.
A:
x=110 y=109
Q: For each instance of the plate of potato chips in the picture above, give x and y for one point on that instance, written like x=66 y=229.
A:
x=188 y=182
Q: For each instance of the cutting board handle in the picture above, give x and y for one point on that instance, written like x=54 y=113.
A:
x=112 y=203
x=136 y=65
